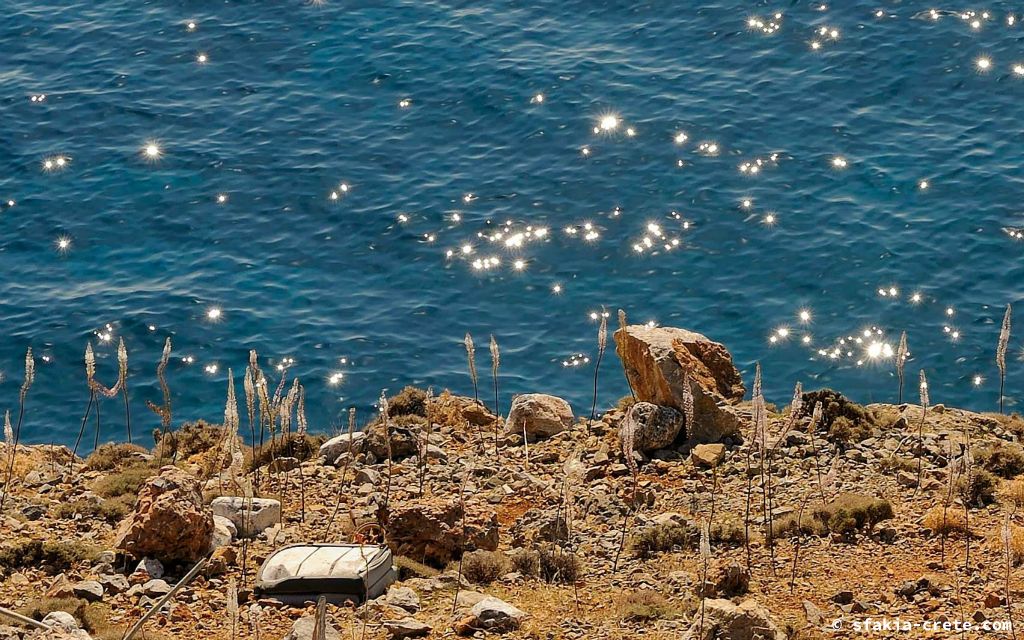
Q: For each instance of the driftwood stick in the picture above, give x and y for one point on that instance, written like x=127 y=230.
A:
x=23 y=620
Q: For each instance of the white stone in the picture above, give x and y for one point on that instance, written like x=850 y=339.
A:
x=263 y=514
x=331 y=450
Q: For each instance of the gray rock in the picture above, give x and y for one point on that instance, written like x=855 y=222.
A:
x=407 y=628
x=331 y=450
x=539 y=414
x=114 y=583
x=403 y=598
x=368 y=476
x=655 y=427
x=497 y=615
x=249 y=522
x=224 y=531
x=89 y=590
x=156 y=588
x=303 y=628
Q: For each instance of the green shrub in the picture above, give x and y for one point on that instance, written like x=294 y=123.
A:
x=111 y=510
x=1004 y=459
x=484 y=567
x=126 y=481
x=410 y=401
x=842 y=419
x=57 y=557
x=114 y=456
x=845 y=515
x=409 y=568
x=978 y=488
x=190 y=439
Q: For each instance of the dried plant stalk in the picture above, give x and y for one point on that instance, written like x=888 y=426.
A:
x=622 y=327
x=471 y=357
x=30 y=376
x=602 y=344
x=495 y=363
x=1004 y=340
x=901 y=360
x=923 y=391
x=164 y=410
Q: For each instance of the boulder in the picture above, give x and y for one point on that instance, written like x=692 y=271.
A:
x=331 y=450
x=302 y=629
x=250 y=516
x=656 y=361
x=63 y=626
x=724 y=620
x=656 y=427
x=541 y=415
x=493 y=615
x=169 y=522
x=431 y=529
x=404 y=437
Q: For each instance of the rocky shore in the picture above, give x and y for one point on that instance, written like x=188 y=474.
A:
x=687 y=510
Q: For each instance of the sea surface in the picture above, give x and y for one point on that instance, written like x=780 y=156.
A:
x=509 y=169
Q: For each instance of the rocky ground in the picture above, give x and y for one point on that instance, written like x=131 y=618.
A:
x=878 y=511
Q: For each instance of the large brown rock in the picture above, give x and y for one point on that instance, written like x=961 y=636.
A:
x=723 y=620
x=431 y=530
x=656 y=361
x=538 y=414
x=170 y=522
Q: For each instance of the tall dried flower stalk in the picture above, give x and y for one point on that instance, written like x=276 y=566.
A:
x=757 y=442
x=602 y=344
x=385 y=416
x=705 y=558
x=627 y=441
x=30 y=376
x=467 y=473
x=1007 y=566
x=471 y=358
x=901 y=360
x=423 y=448
x=811 y=428
x=622 y=327
x=1004 y=340
x=495 y=363
x=301 y=428
x=164 y=410
x=923 y=391
x=232 y=606
x=90 y=375
x=342 y=483
x=795 y=407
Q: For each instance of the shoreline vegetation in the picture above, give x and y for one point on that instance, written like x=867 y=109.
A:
x=689 y=508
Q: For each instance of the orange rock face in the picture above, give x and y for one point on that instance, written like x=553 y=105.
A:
x=657 y=361
x=170 y=522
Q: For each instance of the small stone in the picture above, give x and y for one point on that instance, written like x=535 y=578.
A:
x=496 y=616
x=303 y=629
x=148 y=569
x=368 y=476
x=843 y=597
x=333 y=449
x=114 y=583
x=708 y=455
x=539 y=415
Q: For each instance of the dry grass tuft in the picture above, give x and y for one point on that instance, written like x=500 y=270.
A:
x=1005 y=459
x=484 y=567
x=409 y=568
x=952 y=522
x=1012 y=491
x=646 y=606
x=126 y=481
x=55 y=557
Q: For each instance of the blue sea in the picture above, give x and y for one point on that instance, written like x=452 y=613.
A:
x=350 y=186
